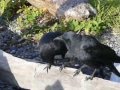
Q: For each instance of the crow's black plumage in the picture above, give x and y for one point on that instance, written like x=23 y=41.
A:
x=49 y=48
x=89 y=51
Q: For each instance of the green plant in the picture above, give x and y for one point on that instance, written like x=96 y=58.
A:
x=3 y=5
x=108 y=12
x=9 y=8
x=108 y=15
x=28 y=16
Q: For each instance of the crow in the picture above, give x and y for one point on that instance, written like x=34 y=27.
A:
x=49 y=48
x=90 y=52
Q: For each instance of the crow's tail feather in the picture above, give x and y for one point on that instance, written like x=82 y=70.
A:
x=117 y=60
x=114 y=70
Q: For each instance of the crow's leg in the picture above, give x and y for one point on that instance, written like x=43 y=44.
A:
x=56 y=61
x=91 y=77
x=102 y=72
x=64 y=65
x=79 y=70
x=63 y=56
x=48 y=67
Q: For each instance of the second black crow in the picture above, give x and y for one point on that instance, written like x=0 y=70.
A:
x=89 y=51
x=49 y=48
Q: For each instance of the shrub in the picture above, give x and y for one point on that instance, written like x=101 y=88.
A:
x=28 y=16
x=9 y=8
x=108 y=16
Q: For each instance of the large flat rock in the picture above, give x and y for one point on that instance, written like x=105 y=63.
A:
x=75 y=9
x=31 y=75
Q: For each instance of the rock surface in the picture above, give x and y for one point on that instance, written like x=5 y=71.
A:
x=75 y=9
x=32 y=76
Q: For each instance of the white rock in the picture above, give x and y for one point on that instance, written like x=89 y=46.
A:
x=31 y=75
x=75 y=9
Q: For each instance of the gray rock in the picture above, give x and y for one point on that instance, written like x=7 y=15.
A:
x=75 y=9
x=31 y=75
x=112 y=39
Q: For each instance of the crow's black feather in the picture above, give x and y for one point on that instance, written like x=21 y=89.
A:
x=49 y=48
x=88 y=50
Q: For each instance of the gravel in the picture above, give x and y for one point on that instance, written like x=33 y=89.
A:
x=17 y=46
x=112 y=39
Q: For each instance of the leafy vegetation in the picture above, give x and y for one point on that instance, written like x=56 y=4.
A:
x=108 y=16
x=9 y=8
x=108 y=12
x=28 y=17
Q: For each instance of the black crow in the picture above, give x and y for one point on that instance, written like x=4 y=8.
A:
x=89 y=51
x=49 y=48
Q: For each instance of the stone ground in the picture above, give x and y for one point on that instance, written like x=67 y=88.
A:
x=16 y=45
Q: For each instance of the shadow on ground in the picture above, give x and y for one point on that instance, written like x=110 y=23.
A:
x=56 y=86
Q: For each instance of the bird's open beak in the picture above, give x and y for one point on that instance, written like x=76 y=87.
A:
x=58 y=38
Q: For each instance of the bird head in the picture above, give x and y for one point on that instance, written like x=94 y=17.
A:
x=66 y=38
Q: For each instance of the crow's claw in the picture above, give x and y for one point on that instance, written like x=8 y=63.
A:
x=79 y=70
x=62 y=67
x=88 y=78
x=47 y=67
x=91 y=77
x=76 y=72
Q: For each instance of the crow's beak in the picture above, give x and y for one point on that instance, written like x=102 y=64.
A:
x=58 y=38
